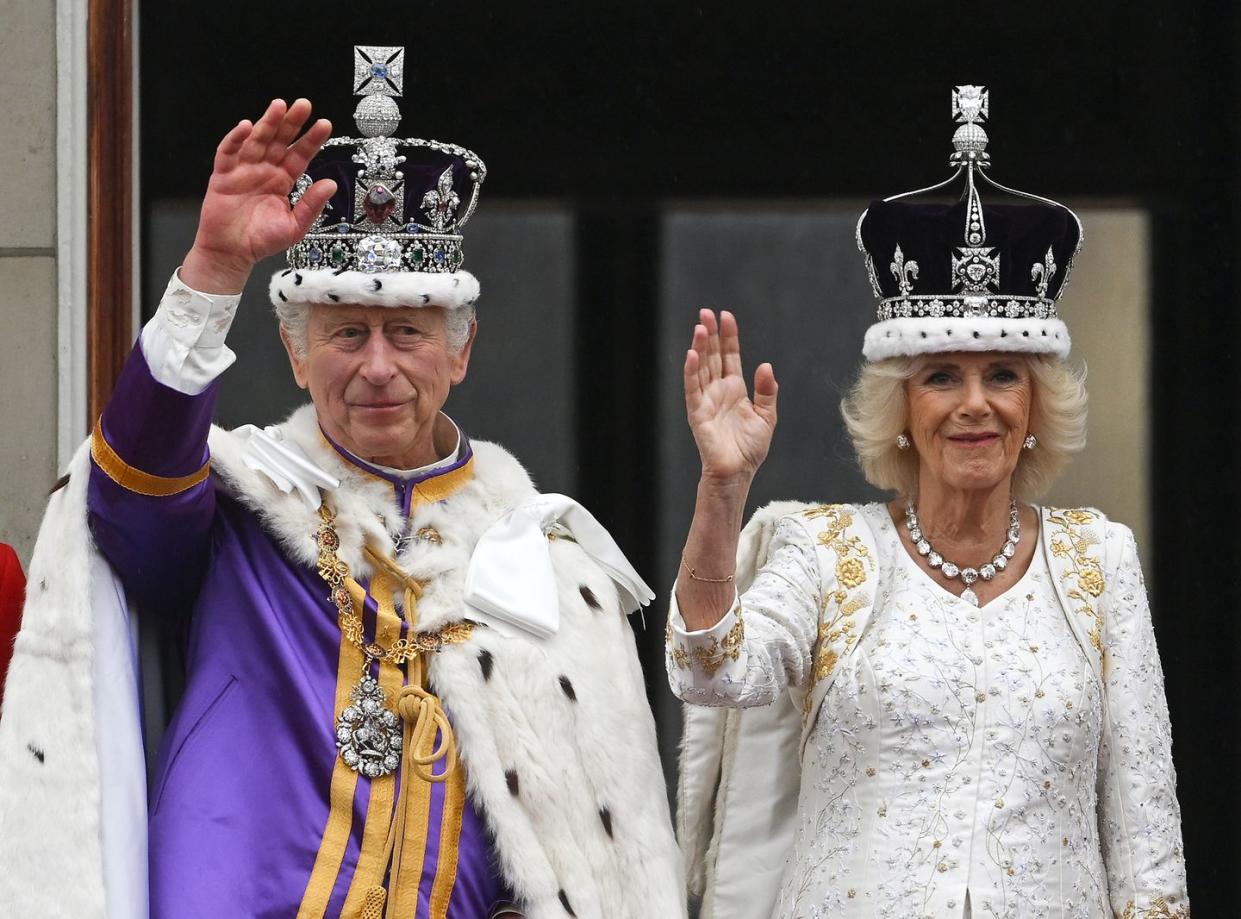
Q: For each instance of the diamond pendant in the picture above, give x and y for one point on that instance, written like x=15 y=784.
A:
x=368 y=733
x=969 y=597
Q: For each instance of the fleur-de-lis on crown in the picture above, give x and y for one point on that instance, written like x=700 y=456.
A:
x=906 y=272
x=1041 y=274
x=441 y=202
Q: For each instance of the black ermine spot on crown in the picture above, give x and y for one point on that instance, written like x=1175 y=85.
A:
x=297 y=278
x=35 y=752
x=977 y=335
x=333 y=298
x=378 y=284
x=280 y=294
x=589 y=596
x=564 y=901
x=286 y=272
x=510 y=777
x=568 y=689
x=605 y=816
x=426 y=298
x=485 y=663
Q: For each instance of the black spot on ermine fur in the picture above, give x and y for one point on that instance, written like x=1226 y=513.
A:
x=35 y=751
x=485 y=663
x=605 y=815
x=589 y=596
x=564 y=901
x=568 y=688
x=510 y=776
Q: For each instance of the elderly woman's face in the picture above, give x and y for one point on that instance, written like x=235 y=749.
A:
x=379 y=376
x=968 y=416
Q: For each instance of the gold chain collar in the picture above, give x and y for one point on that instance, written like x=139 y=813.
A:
x=335 y=572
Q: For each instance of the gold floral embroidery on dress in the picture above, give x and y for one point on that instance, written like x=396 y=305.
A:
x=710 y=657
x=1072 y=542
x=1160 y=908
x=837 y=629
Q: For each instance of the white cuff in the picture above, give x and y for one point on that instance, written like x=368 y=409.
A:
x=716 y=652
x=184 y=342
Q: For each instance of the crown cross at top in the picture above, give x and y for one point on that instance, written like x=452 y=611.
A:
x=378 y=77
x=378 y=70
x=969 y=104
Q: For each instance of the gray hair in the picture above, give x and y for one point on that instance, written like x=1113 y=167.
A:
x=295 y=321
x=876 y=410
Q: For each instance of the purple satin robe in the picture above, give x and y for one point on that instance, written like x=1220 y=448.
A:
x=240 y=799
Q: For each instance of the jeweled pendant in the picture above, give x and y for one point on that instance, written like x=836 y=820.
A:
x=969 y=597
x=368 y=733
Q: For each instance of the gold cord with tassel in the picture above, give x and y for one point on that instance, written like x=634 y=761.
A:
x=422 y=716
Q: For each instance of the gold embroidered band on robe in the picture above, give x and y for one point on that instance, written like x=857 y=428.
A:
x=420 y=711
x=838 y=631
x=135 y=480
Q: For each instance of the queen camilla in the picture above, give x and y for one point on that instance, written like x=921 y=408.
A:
x=949 y=704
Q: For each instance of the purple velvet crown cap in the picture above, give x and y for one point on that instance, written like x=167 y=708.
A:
x=930 y=234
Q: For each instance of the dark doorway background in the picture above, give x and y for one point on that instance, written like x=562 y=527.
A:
x=610 y=109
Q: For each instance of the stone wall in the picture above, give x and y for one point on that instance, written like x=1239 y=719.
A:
x=28 y=292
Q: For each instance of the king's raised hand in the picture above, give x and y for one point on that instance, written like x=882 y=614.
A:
x=245 y=214
x=733 y=432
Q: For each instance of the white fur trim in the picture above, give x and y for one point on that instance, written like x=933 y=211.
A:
x=912 y=337
x=405 y=288
x=72 y=775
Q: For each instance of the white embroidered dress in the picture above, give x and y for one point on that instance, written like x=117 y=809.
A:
x=961 y=761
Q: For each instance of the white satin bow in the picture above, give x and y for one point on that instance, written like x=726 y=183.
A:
x=285 y=463
x=510 y=581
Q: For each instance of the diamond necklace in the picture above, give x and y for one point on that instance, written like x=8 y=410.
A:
x=967 y=575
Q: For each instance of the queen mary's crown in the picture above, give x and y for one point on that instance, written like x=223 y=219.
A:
x=936 y=258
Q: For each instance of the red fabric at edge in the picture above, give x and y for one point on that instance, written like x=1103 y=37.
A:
x=12 y=596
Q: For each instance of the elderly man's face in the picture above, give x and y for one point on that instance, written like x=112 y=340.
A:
x=379 y=377
x=968 y=416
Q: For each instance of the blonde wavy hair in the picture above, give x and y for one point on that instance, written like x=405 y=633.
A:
x=876 y=410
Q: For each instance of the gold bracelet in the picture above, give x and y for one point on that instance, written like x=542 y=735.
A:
x=693 y=576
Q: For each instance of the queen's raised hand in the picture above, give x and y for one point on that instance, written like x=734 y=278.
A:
x=245 y=213
x=733 y=432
